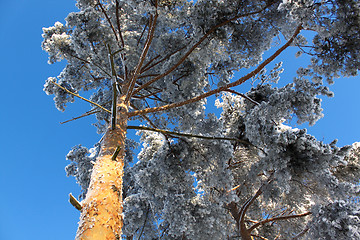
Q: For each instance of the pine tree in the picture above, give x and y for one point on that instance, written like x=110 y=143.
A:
x=243 y=174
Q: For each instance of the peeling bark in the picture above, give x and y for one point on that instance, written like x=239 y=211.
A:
x=101 y=214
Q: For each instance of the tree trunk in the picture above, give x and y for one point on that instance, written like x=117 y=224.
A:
x=101 y=214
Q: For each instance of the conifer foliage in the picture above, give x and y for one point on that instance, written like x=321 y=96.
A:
x=242 y=174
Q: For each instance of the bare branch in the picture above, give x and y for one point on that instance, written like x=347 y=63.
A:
x=150 y=61
x=213 y=29
x=142 y=33
x=114 y=83
x=302 y=233
x=187 y=134
x=78 y=96
x=88 y=113
x=116 y=153
x=246 y=233
x=145 y=117
x=242 y=95
x=278 y=219
x=220 y=89
x=142 y=57
x=75 y=202
x=143 y=227
x=148 y=95
x=144 y=69
x=248 y=203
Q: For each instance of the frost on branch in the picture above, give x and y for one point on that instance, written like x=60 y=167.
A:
x=304 y=171
x=276 y=104
x=337 y=220
x=349 y=171
x=81 y=165
x=336 y=44
x=162 y=187
x=56 y=42
x=192 y=188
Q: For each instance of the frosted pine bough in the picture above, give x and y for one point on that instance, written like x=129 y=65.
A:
x=259 y=177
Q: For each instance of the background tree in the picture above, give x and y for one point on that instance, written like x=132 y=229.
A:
x=241 y=175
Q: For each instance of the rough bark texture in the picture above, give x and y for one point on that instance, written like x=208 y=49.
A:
x=101 y=215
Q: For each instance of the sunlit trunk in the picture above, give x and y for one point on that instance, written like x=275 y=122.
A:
x=101 y=214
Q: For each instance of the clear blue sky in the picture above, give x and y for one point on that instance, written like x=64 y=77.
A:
x=34 y=188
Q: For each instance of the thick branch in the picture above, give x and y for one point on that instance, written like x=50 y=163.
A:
x=234 y=210
x=224 y=88
x=246 y=233
x=114 y=82
x=213 y=29
x=142 y=57
x=277 y=219
x=248 y=203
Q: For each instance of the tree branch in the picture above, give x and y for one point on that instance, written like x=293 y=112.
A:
x=150 y=61
x=143 y=227
x=116 y=153
x=85 y=61
x=302 y=233
x=220 y=89
x=278 y=219
x=148 y=95
x=246 y=233
x=213 y=29
x=109 y=21
x=118 y=22
x=242 y=95
x=152 y=26
x=75 y=202
x=114 y=90
x=142 y=33
x=150 y=122
x=88 y=113
x=145 y=68
x=186 y=134
x=78 y=96
x=262 y=238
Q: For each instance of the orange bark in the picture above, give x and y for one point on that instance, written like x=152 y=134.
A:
x=101 y=214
